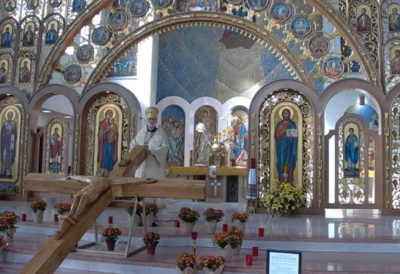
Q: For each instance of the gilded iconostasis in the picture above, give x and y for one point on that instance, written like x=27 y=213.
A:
x=307 y=88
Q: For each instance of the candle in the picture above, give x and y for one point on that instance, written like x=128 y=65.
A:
x=55 y=218
x=225 y=228
x=284 y=168
x=255 y=251
x=194 y=235
x=233 y=162
x=249 y=260
x=177 y=224
x=110 y=219
x=23 y=217
x=261 y=232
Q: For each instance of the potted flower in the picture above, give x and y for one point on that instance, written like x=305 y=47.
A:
x=62 y=208
x=185 y=263
x=212 y=265
x=111 y=235
x=223 y=243
x=240 y=219
x=213 y=217
x=235 y=239
x=151 y=240
x=151 y=211
x=11 y=219
x=38 y=207
x=283 y=199
x=189 y=217
x=129 y=207
x=3 y=229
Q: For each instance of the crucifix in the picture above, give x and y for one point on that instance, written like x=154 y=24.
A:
x=215 y=184
x=92 y=196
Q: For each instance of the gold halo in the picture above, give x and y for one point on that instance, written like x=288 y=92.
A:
x=56 y=125
x=107 y=109
x=286 y=107
x=13 y=112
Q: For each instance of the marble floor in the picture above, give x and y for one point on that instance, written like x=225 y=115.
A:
x=341 y=242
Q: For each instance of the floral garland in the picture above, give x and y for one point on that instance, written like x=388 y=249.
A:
x=189 y=216
x=213 y=215
x=111 y=234
x=151 y=238
x=185 y=260
x=38 y=205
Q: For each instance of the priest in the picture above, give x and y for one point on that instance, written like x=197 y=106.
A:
x=153 y=137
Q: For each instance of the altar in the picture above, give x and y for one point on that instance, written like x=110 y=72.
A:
x=230 y=184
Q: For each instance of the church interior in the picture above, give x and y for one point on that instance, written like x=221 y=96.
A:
x=200 y=136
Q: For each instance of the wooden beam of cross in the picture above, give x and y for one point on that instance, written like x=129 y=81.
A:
x=93 y=195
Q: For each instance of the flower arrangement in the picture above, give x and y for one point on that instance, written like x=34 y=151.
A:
x=38 y=205
x=189 y=216
x=213 y=215
x=62 y=208
x=10 y=218
x=130 y=206
x=151 y=208
x=185 y=260
x=242 y=217
x=233 y=230
x=283 y=198
x=111 y=234
x=212 y=263
x=221 y=239
x=151 y=238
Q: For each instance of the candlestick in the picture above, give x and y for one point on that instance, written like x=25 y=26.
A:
x=194 y=238
x=284 y=168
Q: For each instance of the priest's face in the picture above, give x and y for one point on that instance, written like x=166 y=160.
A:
x=151 y=123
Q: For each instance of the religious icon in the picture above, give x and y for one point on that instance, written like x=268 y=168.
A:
x=333 y=67
x=197 y=5
x=240 y=126
x=6 y=36
x=139 y=8
x=3 y=71
x=32 y=4
x=280 y=12
x=78 y=5
x=85 y=54
x=234 y=2
x=301 y=27
x=56 y=132
x=207 y=116
x=52 y=33
x=126 y=65
x=395 y=62
x=351 y=155
x=257 y=5
x=118 y=20
x=394 y=18
x=161 y=3
x=364 y=20
x=108 y=136
x=286 y=143
x=55 y=3
x=25 y=71
x=101 y=35
x=173 y=123
x=72 y=74
x=9 y=142
x=319 y=45
x=10 y=6
x=368 y=113
x=29 y=36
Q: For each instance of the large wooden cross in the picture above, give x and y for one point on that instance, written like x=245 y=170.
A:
x=93 y=195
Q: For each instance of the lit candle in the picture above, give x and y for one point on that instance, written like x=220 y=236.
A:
x=55 y=218
x=249 y=260
x=284 y=168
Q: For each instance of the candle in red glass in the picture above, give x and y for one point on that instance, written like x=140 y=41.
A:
x=233 y=162
x=177 y=224
x=255 y=251
x=249 y=260
x=194 y=235
x=55 y=218
x=261 y=232
x=23 y=217
x=110 y=220
x=225 y=228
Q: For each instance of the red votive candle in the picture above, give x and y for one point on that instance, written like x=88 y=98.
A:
x=233 y=162
x=194 y=235
x=110 y=219
x=249 y=260
x=225 y=228
x=55 y=217
x=23 y=217
x=255 y=251
x=177 y=224
x=261 y=232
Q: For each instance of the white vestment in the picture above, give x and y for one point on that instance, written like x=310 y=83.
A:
x=154 y=166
